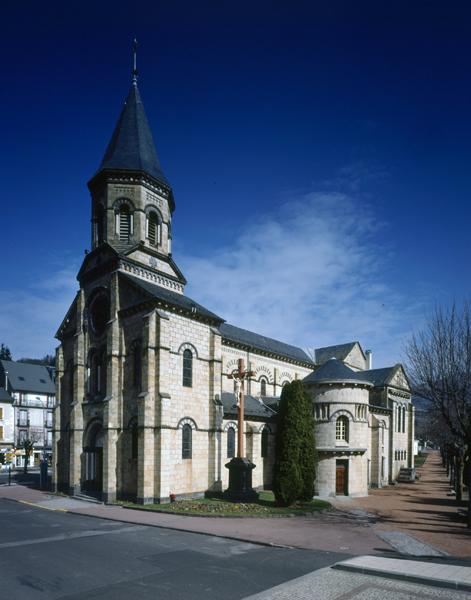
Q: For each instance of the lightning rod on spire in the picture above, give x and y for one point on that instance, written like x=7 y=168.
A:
x=134 y=52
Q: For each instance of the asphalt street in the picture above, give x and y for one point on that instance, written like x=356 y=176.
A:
x=45 y=554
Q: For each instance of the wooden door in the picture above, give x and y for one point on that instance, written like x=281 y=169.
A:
x=341 y=479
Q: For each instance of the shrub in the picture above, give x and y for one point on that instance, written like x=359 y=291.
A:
x=295 y=456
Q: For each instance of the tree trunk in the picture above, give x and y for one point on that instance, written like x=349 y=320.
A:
x=459 y=479
x=468 y=520
x=25 y=468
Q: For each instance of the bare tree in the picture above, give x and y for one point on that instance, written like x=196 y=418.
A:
x=27 y=445
x=440 y=368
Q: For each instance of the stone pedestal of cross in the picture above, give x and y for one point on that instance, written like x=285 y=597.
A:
x=240 y=468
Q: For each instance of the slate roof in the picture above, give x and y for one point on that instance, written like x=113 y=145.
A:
x=341 y=351
x=260 y=342
x=5 y=396
x=335 y=370
x=132 y=146
x=172 y=298
x=378 y=377
x=26 y=377
x=252 y=407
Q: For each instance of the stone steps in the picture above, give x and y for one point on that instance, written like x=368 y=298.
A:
x=406 y=475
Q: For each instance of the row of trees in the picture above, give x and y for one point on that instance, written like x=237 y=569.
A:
x=440 y=369
x=47 y=360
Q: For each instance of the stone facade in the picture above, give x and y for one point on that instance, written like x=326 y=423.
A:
x=145 y=407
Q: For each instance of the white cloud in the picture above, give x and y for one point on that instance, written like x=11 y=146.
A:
x=310 y=274
x=30 y=316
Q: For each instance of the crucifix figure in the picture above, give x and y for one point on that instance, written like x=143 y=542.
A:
x=239 y=377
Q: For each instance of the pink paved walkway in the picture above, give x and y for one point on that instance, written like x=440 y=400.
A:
x=423 y=509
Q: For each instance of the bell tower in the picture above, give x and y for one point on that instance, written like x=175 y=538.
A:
x=132 y=200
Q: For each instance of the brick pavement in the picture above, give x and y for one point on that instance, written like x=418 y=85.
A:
x=424 y=509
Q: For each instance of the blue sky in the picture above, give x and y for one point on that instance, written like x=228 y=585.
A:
x=319 y=155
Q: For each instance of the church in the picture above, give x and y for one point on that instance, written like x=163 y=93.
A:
x=145 y=407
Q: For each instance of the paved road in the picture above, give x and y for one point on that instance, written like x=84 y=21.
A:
x=45 y=554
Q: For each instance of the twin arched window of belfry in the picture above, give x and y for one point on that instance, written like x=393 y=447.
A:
x=124 y=223
x=153 y=228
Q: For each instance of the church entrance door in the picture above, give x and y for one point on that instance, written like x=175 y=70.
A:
x=92 y=482
x=341 y=478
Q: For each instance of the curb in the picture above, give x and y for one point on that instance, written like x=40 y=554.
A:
x=172 y=528
x=39 y=505
x=431 y=581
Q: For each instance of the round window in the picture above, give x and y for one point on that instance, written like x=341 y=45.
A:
x=99 y=313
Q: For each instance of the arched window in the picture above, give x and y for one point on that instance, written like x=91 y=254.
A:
x=265 y=443
x=341 y=429
x=231 y=442
x=153 y=229
x=263 y=387
x=187 y=368
x=404 y=420
x=137 y=366
x=186 y=441
x=124 y=224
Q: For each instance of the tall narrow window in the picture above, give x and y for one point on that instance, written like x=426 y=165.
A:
x=187 y=368
x=341 y=429
x=265 y=443
x=231 y=442
x=186 y=441
x=124 y=224
x=263 y=387
x=153 y=229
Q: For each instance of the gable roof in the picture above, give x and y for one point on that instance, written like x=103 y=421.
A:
x=255 y=341
x=252 y=407
x=26 y=377
x=334 y=370
x=168 y=297
x=381 y=377
x=340 y=351
x=132 y=146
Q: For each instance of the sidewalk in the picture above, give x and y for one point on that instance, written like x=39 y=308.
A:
x=370 y=577
x=423 y=510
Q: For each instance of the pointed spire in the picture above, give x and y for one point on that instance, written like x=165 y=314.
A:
x=131 y=147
